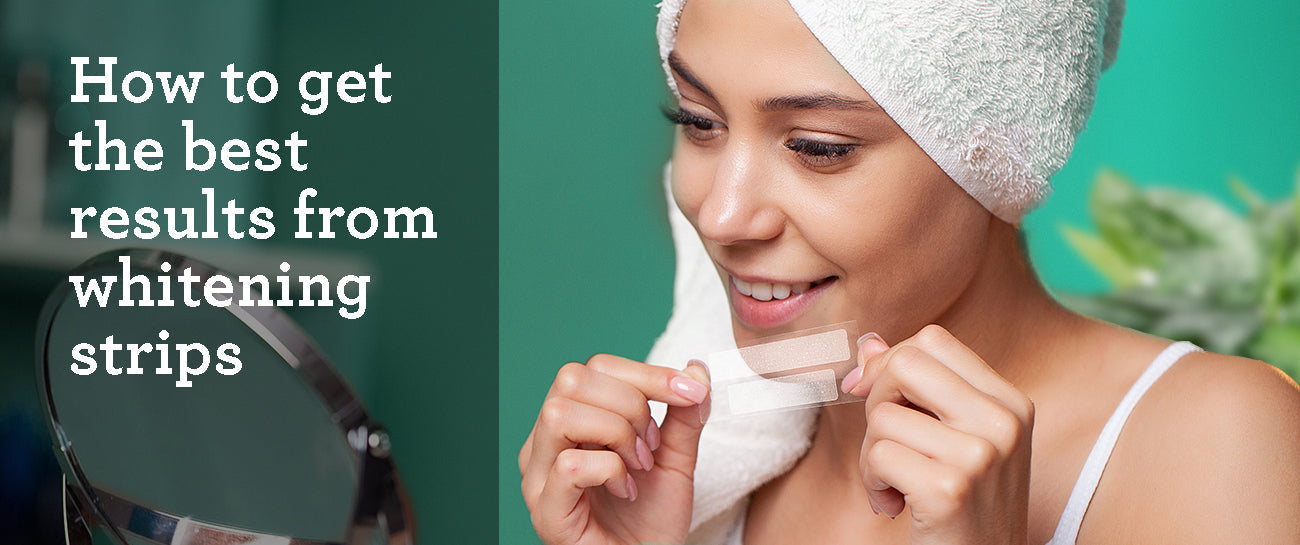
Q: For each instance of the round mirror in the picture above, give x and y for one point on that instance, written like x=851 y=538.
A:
x=185 y=420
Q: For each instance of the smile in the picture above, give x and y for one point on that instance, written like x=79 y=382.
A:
x=767 y=291
x=766 y=305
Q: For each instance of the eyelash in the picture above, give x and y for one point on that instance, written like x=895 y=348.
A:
x=688 y=120
x=810 y=152
x=815 y=153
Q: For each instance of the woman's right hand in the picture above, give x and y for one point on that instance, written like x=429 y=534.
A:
x=598 y=470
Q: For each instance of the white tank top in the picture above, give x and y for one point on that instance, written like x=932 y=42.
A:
x=1067 y=528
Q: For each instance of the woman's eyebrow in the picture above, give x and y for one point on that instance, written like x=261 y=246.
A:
x=679 y=66
x=828 y=101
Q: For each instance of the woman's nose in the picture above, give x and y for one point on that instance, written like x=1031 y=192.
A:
x=740 y=204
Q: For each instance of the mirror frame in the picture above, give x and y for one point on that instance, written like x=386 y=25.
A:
x=381 y=506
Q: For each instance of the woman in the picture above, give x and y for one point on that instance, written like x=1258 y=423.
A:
x=842 y=162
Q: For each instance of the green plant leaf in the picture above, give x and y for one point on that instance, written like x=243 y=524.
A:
x=1222 y=247
x=1103 y=258
x=1196 y=220
x=1295 y=207
x=1245 y=194
x=1111 y=204
x=1186 y=266
x=1219 y=330
x=1111 y=309
x=1280 y=346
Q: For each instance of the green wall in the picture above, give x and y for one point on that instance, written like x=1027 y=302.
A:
x=433 y=299
x=1202 y=89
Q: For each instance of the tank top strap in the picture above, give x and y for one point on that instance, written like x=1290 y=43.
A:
x=1067 y=528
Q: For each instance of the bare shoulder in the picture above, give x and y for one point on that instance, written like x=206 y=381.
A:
x=1235 y=383
x=1213 y=395
x=1211 y=454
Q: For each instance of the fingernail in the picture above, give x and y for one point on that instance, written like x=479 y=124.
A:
x=652 y=435
x=643 y=455
x=871 y=344
x=874 y=509
x=699 y=363
x=631 y=489
x=688 y=388
x=852 y=379
x=625 y=493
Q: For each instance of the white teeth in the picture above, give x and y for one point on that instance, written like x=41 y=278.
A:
x=766 y=291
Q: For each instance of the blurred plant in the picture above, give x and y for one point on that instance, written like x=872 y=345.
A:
x=1184 y=266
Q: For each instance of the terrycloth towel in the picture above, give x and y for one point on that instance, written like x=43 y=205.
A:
x=995 y=91
x=736 y=456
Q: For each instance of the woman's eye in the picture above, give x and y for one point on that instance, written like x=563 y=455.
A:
x=696 y=127
x=819 y=154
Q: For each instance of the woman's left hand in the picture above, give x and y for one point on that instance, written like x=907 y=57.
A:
x=946 y=436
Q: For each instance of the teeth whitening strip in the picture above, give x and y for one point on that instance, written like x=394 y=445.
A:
x=789 y=391
x=791 y=371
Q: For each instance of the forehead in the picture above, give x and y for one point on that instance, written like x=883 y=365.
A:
x=757 y=48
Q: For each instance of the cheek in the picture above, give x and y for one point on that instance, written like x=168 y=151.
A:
x=908 y=251
x=690 y=181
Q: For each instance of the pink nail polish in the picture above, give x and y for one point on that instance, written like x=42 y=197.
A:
x=852 y=379
x=643 y=455
x=631 y=489
x=699 y=363
x=688 y=388
x=871 y=344
x=652 y=435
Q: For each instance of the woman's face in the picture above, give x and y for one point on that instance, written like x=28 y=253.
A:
x=814 y=205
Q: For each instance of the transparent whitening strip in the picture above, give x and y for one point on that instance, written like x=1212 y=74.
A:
x=796 y=370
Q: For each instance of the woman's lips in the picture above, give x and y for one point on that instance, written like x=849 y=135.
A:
x=768 y=305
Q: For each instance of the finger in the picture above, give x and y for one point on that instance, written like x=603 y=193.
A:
x=893 y=474
x=874 y=365
x=941 y=344
x=526 y=451
x=565 y=424
x=575 y=470
x=929 y=437
x=657 y=383
x=585 y=384
x=869 y=345
x=906 y=425
x=932 y=489
x=682 y=427
x=910 y=375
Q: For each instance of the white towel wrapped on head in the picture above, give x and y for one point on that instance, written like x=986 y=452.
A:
x=995 y=91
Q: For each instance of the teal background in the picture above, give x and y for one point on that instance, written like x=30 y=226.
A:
x=1201 y=90
x=428 y=338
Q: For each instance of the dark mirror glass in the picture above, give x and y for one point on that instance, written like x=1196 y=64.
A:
x=251 y=445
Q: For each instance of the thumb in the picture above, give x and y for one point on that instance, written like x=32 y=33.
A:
x=859 y=380
x=680 y=432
